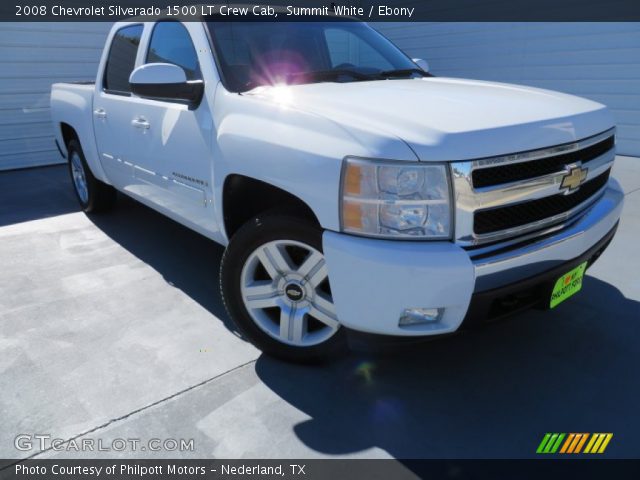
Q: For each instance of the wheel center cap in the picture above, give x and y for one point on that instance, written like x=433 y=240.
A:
x=294 y=292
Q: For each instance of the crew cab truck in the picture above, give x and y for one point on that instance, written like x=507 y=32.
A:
x=353 y=190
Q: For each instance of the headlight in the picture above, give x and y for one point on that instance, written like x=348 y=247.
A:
x=393 y=199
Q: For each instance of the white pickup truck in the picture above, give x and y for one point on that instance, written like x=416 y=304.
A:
x=352 y=189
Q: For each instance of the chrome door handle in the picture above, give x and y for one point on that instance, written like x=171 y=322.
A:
x=140 y=122
x=100 y=113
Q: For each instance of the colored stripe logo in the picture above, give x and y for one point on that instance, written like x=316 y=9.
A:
x=574 y=442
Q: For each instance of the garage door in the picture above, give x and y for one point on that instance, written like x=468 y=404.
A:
x=600 y=61
x=32 y=57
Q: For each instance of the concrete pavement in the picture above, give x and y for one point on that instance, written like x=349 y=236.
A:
x=112 y=327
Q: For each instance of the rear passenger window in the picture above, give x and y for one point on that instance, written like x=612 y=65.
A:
x=171 y=43
x=122 y=59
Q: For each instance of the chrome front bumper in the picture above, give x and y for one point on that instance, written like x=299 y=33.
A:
x=516 y=263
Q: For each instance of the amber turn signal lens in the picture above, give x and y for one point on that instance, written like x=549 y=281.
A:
x=351 y=216
x=352 y=180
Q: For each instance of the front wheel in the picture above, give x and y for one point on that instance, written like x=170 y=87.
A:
x=275 y=286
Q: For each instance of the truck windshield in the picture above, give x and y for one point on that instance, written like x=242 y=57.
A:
x=251 y=54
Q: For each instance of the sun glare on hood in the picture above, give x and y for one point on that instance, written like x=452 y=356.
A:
x=282 y=94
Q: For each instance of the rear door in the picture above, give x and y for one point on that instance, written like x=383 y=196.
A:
x=111 y=105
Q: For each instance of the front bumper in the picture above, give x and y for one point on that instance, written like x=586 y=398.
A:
x=373 y=281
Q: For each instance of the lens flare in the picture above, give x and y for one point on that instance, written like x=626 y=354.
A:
x=365 y=370
x=387 y=410
x=281 y=94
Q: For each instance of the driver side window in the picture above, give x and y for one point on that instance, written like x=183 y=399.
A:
x=346 y=47
x=171 y=43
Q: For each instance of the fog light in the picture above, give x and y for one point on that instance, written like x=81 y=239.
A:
x=417 y=316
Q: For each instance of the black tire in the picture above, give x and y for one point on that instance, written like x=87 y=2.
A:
x=252 y=235
x=100 y=197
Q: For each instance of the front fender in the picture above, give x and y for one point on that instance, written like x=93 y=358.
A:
x=294 y=150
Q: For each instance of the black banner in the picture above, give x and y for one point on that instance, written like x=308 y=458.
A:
x=319 y=469
x=314 y=10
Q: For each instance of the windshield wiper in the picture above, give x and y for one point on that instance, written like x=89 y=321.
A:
x=404 y=72
x=312 y=76
x=322 y=75
x=334 y=74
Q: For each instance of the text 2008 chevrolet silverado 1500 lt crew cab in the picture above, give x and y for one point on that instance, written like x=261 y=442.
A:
x=352 y=189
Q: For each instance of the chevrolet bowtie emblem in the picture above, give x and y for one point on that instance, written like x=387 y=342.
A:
x=573 y=179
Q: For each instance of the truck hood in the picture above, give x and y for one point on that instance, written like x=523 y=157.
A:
x=447 y=118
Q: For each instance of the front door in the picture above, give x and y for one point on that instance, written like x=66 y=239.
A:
x=171 y=143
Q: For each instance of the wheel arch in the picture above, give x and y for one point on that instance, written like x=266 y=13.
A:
x=245 y=197
x=68 y=133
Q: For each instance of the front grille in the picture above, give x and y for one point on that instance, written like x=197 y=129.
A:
x=487 y=177
x=502 y=218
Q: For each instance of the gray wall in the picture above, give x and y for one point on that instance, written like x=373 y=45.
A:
x=32 y=57
x=600 y=61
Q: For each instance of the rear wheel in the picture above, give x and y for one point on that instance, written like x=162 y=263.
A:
x=92 y=194
x=275 y=286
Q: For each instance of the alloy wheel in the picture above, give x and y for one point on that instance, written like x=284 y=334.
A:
x=285 y=289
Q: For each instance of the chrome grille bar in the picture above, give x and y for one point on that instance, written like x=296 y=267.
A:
x=470 y=199
x=542 y=153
